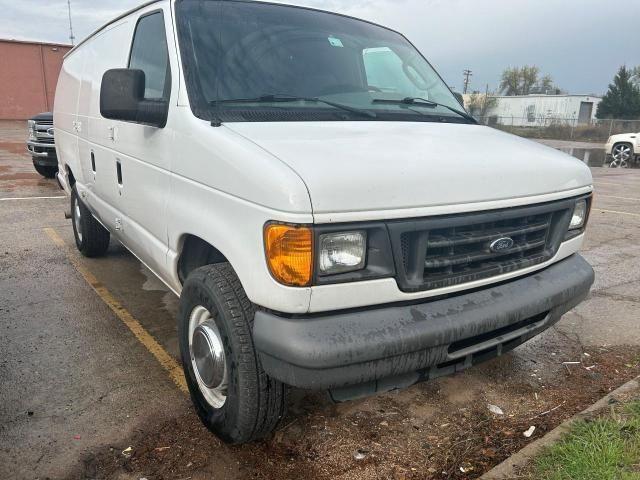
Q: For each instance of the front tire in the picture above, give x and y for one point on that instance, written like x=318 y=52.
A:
x=622 y=154
x=232 y=394
x=46 y=172
x=92 y=239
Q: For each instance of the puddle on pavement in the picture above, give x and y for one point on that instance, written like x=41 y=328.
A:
x=23 y=176
x=22 y=183
x=152 y=283
x=13 y=147
x=592 y=157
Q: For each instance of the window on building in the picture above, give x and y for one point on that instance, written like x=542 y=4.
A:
x=531 y=113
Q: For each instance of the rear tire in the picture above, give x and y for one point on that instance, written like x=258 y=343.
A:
x=46 y=172
x=232 y=394
x=92 y=239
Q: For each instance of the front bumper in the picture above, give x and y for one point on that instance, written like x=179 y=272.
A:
x=417 y=342
x=608 y=147
x=43 y=154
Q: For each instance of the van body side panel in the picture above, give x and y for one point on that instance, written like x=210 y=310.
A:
x=129 y=188
x=106 y=50
x=143 y=155
x=65 y=114
x=233 y=226
x=224 y=189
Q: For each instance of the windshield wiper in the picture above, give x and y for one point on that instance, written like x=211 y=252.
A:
x=277 y=98
x=423 y=102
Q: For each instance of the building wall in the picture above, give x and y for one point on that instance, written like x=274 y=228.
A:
x=540 y=110
x=28 y=77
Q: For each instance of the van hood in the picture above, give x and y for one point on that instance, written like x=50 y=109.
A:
x=368 y=166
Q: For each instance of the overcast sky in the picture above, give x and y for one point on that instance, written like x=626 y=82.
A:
x=580 y=43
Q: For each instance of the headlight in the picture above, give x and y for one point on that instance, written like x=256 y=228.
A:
x=579 y=215
x=342 y=252
x=32 y=130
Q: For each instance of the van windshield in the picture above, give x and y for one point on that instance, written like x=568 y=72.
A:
x=252 y=61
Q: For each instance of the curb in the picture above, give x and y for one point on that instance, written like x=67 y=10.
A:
x=509 y=468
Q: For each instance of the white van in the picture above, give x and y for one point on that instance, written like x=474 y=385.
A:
x=329 y=215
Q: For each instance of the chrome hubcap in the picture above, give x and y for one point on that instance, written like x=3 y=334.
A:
x=622 y=153
x=76 y=218
x=207 y=356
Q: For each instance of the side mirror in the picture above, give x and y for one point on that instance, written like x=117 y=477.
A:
x=122 y=98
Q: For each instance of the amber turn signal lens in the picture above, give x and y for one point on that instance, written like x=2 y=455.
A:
x=289 y=254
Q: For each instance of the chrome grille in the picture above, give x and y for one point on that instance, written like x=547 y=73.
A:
x=464 y=251
x=42 y=131
x=441 y=252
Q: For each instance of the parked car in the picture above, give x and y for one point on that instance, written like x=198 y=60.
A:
x=312 y=190
x=41 y=144
x=623 y=150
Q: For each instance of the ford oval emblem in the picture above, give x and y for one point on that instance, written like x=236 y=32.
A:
x=50 y=132
x=501 y=245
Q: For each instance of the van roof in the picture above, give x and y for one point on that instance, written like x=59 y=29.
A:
x=114 y=20
x=268 y=2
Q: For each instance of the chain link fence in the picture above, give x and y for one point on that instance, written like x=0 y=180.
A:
x=561 y=128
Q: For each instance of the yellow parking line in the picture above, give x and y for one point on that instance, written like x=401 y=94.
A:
x=619 y=213
x=150 y=343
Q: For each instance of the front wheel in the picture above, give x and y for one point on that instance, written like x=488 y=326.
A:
x=622 y=154
x=46 y=172
x=232 y=394
x=618 y=164
x=92 y=239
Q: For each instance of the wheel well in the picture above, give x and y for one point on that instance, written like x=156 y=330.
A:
x=197 y=253
x=623 y=143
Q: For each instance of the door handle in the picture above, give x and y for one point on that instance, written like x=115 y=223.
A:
x=119 y=172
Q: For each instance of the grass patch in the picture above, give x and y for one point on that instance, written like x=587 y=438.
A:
x=607 y=447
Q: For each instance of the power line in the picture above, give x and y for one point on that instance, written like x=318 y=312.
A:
x=467 y=79
x=71 y=37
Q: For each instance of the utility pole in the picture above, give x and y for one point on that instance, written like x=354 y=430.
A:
x=486 y=100
x=467 y=79
x=71 y=37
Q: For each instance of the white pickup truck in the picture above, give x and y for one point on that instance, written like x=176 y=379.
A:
x=622 y=150
x=328 y=213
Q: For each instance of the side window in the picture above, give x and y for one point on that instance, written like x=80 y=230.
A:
x=150 y=54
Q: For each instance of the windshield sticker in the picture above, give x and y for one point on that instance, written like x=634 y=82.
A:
x=336 y=42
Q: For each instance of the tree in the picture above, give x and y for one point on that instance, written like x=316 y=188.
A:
x=479 y=103
x=525 y=80
x=528 y=78
x=623 y=98
x=510 y=83
x=546 y=84
x=635 y=76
